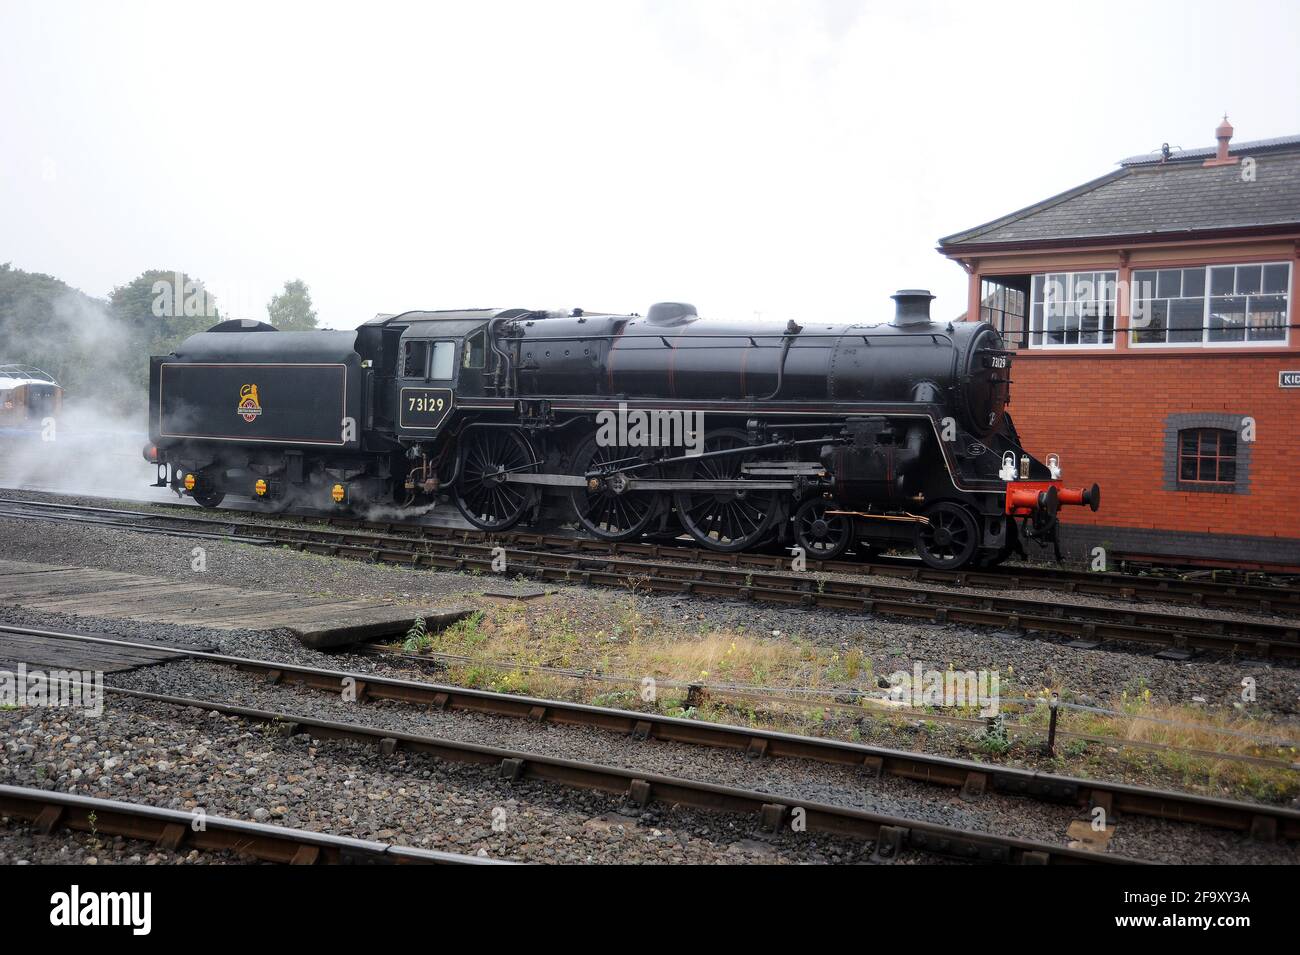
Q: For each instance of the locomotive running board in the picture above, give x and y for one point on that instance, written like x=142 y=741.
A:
x=653 y=484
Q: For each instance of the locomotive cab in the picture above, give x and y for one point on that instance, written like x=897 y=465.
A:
x=427 y=384
x=439 y=358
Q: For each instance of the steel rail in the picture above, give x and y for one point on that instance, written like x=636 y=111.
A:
x=891 y=834
x=174 y=830
x=1114 y=586
x=1079 y=621
x=104 y=517
x=1090 y=624
x=769 y=697
x=1134 y=587
x=1261 y=820
x=1208 y=594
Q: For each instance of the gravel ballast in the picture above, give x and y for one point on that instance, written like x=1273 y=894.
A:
x=185 y=758
x=1093 y=676
x=792 y=779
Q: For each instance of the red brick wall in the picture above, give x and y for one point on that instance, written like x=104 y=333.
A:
x=1106 y=418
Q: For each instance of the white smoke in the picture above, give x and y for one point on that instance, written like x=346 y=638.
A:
x=95 y=444
x=389 y=512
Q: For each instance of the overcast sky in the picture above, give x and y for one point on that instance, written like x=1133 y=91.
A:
x=789 y=158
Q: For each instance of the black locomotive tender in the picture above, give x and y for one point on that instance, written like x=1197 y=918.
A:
x=827 y=435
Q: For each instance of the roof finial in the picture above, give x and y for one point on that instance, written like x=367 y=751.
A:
x=1224 y=135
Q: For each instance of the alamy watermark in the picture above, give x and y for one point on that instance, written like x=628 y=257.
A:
x=946 y=688
x=76 y=689
x=638 y=428
x=76 y=907
x=183 y=296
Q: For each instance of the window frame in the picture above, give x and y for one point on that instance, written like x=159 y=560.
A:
x=433 y=353
x=424 y=343
x=1031 y=302
x=1179 y=421
x=475 y=344
x=1002 y=294
x=1200 y=457
x=1205 y=342
x=430 y=346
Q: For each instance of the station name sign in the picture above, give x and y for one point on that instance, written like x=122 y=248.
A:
x=1288 y=379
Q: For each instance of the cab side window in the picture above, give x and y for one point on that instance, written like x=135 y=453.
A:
x=475 y=348
x=444 y=361
x=415 y=360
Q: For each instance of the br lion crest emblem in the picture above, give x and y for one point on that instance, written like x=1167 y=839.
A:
x=249 y=405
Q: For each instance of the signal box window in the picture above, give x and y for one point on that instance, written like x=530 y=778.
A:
x=1003 y=307
x=444 y=361
x=1073 y=309
x=1207 y=456
x=1212 y=305
x=416 y=362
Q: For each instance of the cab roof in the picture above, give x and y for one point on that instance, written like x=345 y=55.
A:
x=476 y=315
x=447 y=315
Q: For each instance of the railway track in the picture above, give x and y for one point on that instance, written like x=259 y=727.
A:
x=972 y=778
x=1085 y=625
x=1214 y=595
x=431 y=663
x=1124 y=587
x=891 y=836
x=174 y=830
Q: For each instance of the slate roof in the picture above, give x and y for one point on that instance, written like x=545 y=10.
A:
x=1148 y=198
x=1205 y=152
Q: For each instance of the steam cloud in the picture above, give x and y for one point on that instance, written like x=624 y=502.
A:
x=102 y=429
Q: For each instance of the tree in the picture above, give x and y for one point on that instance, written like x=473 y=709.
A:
x=291 y=310
x=160 y=309
x=155 y=312
x=99 y=350
x=37 y=320
x=47 y=323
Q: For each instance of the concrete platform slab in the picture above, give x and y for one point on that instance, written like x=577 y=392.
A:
x=319 y=622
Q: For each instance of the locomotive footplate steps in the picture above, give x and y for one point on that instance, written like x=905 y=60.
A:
x=316 y=622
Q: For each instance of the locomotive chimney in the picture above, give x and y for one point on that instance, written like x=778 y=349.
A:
x=912 y=306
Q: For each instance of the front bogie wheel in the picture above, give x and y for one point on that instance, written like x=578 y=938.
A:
x=822 y=536
x=950 y=538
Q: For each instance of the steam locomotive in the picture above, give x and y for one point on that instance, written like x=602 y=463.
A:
x=827 y=435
